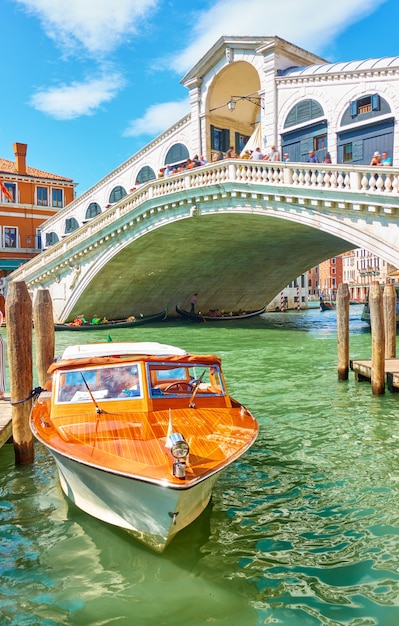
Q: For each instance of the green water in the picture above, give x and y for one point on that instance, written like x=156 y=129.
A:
x=303 y=530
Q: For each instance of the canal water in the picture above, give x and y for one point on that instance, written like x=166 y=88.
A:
x=303 y=530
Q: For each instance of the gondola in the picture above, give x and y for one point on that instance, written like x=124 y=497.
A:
x=326 y=306
x=214 y=317
x=138 y=321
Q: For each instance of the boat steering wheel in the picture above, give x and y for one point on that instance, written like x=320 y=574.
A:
x=180 y=386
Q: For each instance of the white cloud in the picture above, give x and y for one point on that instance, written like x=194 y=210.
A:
x=306 y=23
x=98 y=26
x=158 y=118
x=67 y=102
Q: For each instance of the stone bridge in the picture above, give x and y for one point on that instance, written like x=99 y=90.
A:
x=234 y=231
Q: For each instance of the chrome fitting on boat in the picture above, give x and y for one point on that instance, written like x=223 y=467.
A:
x=179 y=449
x=179 y=469
x=178 y=446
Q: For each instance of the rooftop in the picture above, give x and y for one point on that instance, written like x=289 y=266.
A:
x=9 y=167
x=345 y=66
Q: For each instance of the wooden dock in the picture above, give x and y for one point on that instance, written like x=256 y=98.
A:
x=362 y=371
x=5 y=420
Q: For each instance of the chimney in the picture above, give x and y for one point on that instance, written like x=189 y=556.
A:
x=20 y=157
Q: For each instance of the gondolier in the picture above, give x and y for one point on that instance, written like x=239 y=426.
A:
x=193 y=302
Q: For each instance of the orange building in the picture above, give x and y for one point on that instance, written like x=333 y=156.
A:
x=28 y=197
x=330 y=276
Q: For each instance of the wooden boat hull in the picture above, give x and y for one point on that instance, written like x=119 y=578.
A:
x=152 y=513
x=139 y=321
x=198 y=317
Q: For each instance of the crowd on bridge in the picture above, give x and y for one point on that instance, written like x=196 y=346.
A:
x=273 y=155
x=188 y=164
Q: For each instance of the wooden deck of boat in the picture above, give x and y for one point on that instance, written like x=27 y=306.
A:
x=5 y=420
x=362 y=370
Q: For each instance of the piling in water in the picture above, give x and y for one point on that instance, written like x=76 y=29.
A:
x=377 y=339
x=44 y=333
x=389 y=305
x=343 y=331
x=19 y=348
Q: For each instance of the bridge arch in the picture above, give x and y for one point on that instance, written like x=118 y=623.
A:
x=224 y=127
x=148 y=259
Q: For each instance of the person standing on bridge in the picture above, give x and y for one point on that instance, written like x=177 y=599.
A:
x=274 y=154
x=257 y=155
x=386 y=160
x=376 y=160
x=2 y=363
x=193 y=302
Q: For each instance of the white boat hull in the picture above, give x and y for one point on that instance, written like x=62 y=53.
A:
x=153 y=513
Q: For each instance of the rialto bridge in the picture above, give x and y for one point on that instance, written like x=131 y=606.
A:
x=234 y=231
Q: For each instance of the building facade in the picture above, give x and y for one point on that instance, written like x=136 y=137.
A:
x=360 y=268
x=330 y=276
x=28 y=197
x=293 y=296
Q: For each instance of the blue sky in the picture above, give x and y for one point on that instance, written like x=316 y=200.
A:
x=87 y=83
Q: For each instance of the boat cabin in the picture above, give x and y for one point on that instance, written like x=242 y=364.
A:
x=141 y=382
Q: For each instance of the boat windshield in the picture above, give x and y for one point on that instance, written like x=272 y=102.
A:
x=114 y=382
x=182 y=380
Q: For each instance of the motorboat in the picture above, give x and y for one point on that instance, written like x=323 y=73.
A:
x=140 y=433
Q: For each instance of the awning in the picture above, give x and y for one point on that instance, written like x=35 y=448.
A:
x=255 y=140
x=11 y=264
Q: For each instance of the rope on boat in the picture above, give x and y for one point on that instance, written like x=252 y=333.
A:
x=35 y=393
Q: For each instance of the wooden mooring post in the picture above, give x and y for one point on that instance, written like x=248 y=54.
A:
x=19 y=349
x=44 y=333
x=389 y=306
x=377 y=339
x=343 y=331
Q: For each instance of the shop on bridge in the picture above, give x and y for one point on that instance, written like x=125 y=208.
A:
x=357 y=144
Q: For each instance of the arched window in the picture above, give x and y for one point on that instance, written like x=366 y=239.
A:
x=146 y=173
x=92 y=210
x=176 y=154
x=117 y=194
x=71 y=224
x=51 y=238
x=365 y=108
x=303 y=112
